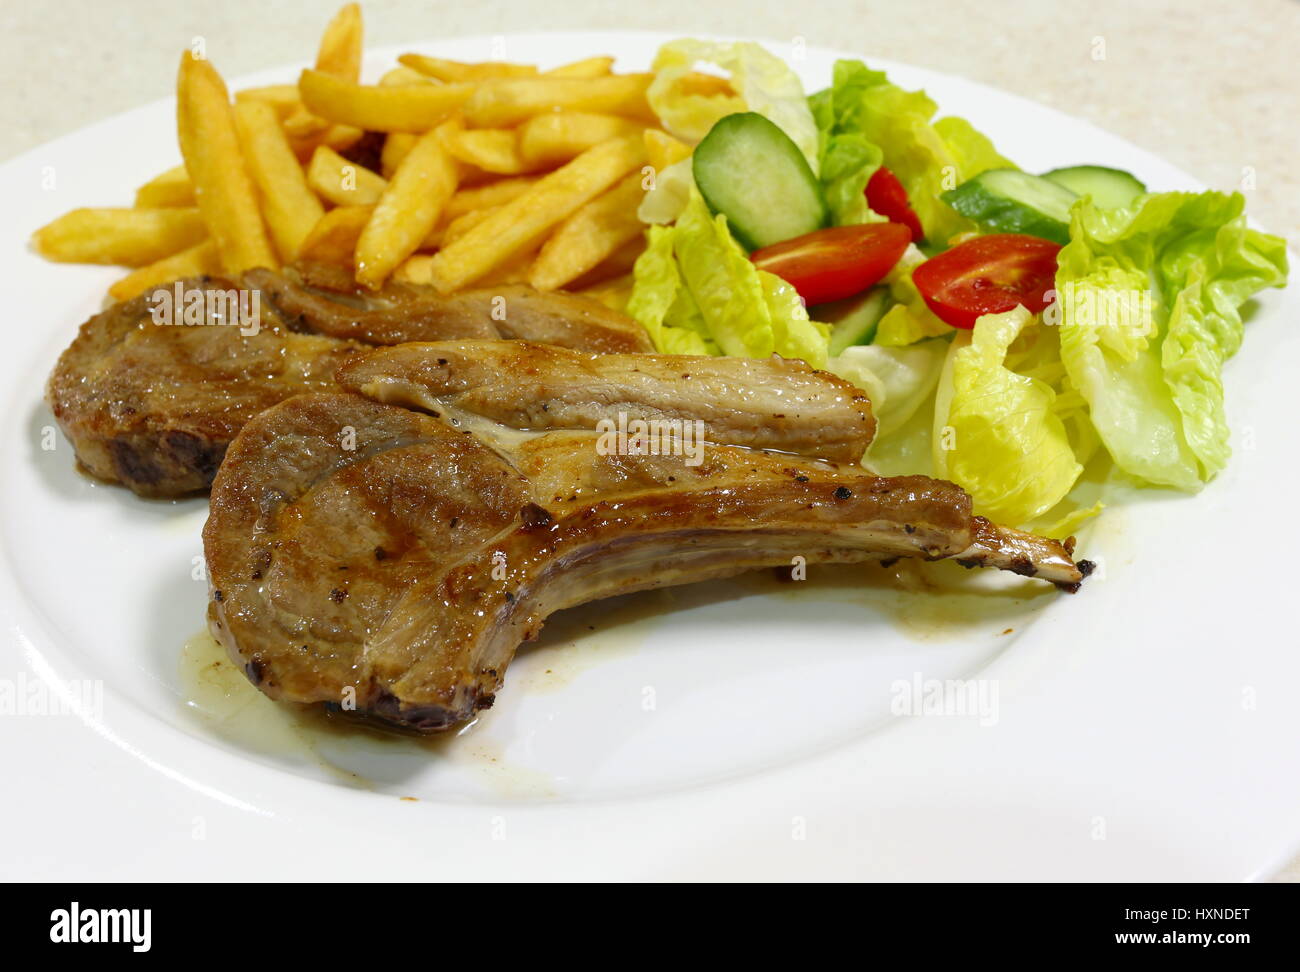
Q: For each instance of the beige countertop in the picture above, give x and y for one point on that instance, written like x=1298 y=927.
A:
x=1209 y=86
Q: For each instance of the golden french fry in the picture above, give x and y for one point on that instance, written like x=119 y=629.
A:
x=590 y=235
x=334 y=239
x=344 y=183
x=619 y=263
x=408 y=210
x=396 y=145
x=589 y=67
x=340 y=138
x=340 y=56
x=662 y=150
x=404 y=75
x=414 y=270
x=224 y=189
x=488 y=196
x=520 y=223
x=706 y=85
x=172 y=188
x=458 y=71
x=512 y=271
x=498 y=104
x=494 y=150
x=290 y=207
x=283 y=98
x=129 y=237
x=454 y=229
x=614 y=293
x=302 y=124
x=380 y=108
x=341 y=44
x=199 y=260
x=558 y=136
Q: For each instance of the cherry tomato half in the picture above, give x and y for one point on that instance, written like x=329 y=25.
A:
x=988 y=275
x=831 y=264
x=886 y=195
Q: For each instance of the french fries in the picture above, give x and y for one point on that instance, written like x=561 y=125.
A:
x=494 y=150
x=618 y=264
x=334 y=239
x=614 y=293
x=461 y=225
x=198 y=260
x=478 y=173
x=338 y=137
x=403 y=75
x=590 y=235
x=458 y=71
x=559 y=136
x=342 y=44
x=282 y=97
x=522 y=221
x=339 y=56
x=588 y=67
x=290 y=207
x=224 y=190
x=498 y=104
x=381 y=108
x=486 y=196
x=407 y=210
x=127 y=237
x=662 y=150
x=396 y=145
x=343 y=183
x=171 y=188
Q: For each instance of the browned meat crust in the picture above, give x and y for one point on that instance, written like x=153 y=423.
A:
x=769 y=404
x=401 y=313
x=154 y=407
x=396 y=571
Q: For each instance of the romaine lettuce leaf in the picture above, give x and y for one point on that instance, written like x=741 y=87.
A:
x=863 y=109
x=1149 y=299
x=660 y=302
x=910 y=319
x=666 y=199
x=696 y=292
x=763 y=83
x=997 y=432
x=897 y=380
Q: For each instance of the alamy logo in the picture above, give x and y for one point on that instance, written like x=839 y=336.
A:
x=651 y=437
x=207 y=307
x=93 y=925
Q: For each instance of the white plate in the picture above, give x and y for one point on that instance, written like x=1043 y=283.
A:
x=1144 y=729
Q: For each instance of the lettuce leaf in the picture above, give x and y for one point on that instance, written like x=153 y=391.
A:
x=660 y=302
x=1149 y=313
x=898 y=381
x=672 y=188
x=862 y=110
x=910 y=319
x=696 y=292
x=763 y=83
x=997 y=431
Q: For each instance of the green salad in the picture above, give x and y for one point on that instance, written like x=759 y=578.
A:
x=1027 y=336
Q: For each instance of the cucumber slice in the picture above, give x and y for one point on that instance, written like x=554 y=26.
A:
x=853 y=320
x=1109 y=188
x=1011 y=201
x=751 y=172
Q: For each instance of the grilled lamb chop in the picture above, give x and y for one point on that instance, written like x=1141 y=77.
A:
x=769 y=404
x=154 y=407
x=402 y=312
x=379 y=558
